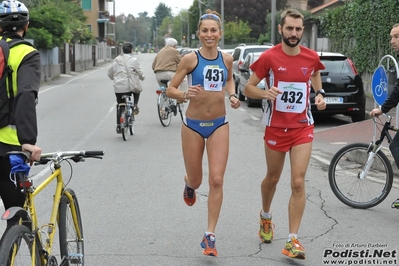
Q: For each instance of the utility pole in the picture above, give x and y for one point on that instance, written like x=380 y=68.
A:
x=273 y=29
x=222 y=11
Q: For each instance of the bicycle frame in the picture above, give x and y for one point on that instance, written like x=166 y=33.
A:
x=42 y=241
x=376 y=146
x=30 y=209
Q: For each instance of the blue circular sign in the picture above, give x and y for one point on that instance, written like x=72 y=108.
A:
x=379 y=85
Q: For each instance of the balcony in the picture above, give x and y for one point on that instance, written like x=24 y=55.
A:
x=103 y=16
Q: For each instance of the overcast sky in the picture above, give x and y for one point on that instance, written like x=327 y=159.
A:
x=135 y=7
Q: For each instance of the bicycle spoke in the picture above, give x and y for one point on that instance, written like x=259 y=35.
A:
x=345 y=172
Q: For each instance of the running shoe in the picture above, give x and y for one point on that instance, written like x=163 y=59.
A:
x=208 y=244
x=189 y=196
x=266 y=230
x=118 y=129
x=395 y=204
x=294 y=249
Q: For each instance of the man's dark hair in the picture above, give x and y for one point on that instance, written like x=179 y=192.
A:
x=127 y=47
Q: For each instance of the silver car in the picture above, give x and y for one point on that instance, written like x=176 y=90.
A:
x=245 y=73
x=239 y=54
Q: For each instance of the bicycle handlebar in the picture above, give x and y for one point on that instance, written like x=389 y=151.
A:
x=76 y=156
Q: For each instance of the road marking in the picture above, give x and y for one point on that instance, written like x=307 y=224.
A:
x=338 y=143
x=327 y=162
x=69 y=81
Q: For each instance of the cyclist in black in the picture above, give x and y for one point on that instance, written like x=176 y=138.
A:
x=20 y=133
x=390 y=103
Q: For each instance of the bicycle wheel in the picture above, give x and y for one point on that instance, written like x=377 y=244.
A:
x=164 y=113
x=125 y=125
x=344 y=176
x=16 y=247
x=71 y=230
x=131 y=125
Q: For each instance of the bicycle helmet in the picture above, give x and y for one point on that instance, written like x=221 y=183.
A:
x=13 y=15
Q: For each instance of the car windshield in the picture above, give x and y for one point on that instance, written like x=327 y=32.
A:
x=337 y=66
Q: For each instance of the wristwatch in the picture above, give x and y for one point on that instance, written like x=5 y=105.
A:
x=233 y=95
x=322 y=92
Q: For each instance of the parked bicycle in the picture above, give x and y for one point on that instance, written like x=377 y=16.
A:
x=360 y=174
x=126 y=119
x=168 y=106
x=31 y=243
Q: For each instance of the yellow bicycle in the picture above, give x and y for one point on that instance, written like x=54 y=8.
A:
x=29 y=243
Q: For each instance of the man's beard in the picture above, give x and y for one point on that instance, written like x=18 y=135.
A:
x=287 y=42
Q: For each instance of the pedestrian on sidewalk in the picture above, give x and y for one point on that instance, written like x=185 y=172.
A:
x=289 y=69
x=391 y=102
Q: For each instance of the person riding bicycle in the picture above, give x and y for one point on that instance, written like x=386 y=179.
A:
x=166 y=62
x=20 y=133
x=392 y=101
x=126 y=73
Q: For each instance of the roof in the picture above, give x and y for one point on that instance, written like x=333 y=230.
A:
x=330 y=54
x=326 y=5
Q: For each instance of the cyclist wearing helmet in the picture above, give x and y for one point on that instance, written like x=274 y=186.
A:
x=21 y=131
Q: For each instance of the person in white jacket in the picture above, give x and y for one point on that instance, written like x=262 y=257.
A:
x=127 y=75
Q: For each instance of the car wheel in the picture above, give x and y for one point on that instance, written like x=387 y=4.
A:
x=358 y=117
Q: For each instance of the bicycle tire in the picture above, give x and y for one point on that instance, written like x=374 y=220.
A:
x=21 y=236
x=164 y=113
x=131 y=125
x=125 y=125
x=343 y=176
x=71 y=235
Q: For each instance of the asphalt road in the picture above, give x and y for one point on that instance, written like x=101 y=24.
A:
x=131 y=201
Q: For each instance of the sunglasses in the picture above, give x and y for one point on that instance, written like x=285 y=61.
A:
x=210 y=16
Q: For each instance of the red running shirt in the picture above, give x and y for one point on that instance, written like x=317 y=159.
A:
x=291 y=74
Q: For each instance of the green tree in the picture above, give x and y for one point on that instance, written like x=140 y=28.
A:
x=236 y=32
x=351 y=30
x=252 y=11
x=52 y=24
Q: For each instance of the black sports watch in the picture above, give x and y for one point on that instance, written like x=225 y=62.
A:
x=322 y=92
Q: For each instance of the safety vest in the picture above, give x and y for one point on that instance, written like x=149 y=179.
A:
x=8 y=134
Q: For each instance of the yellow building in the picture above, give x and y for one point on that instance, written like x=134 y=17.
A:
x=100 y=19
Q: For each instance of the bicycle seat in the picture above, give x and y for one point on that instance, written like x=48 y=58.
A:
x=125 y=96
x=165 y=81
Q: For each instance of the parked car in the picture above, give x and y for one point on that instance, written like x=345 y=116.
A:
x=229 y=51
x=343 y=87
x=239 y=54
x=185 y=50
x=245 y=73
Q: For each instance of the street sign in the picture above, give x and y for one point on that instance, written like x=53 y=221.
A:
x=379 y=85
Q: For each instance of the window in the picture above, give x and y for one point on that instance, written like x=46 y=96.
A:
x=86 y=4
